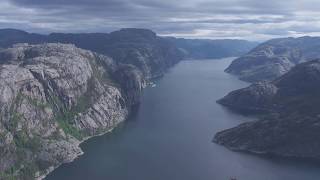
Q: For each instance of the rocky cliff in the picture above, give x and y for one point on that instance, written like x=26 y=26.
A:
x=53 y=96
x=290 y=124
x=274 y=58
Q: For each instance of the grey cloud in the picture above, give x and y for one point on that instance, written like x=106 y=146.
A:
x=247 y=19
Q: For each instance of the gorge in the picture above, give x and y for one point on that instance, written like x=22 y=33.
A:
x=170 y=136
x=159 y=90
x=54 y=96
x=59 y=90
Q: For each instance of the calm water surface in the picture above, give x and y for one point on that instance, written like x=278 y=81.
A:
x=169 y=138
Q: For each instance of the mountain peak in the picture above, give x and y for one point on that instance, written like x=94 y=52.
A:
x=13 y=31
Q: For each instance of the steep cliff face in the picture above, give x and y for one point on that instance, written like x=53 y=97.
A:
x=290 y=126
x=274 y=58
x=52 y=97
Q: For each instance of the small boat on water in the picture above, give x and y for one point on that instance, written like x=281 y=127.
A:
x=152 y=84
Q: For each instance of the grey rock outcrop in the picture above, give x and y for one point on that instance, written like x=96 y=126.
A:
x=274 y=58
x=257 y=97
x=53 y=96
x=289 y=137
x=289 y=126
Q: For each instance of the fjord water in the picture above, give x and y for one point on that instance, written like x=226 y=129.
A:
x=169 y=137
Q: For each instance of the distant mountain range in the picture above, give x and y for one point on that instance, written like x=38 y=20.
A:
x=206 y=48
x=288 y=107
x=141 y=47
x=274 y=58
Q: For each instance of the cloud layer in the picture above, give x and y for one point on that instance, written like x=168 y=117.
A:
x=244 y=19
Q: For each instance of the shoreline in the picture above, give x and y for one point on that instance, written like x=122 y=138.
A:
x=52 y=168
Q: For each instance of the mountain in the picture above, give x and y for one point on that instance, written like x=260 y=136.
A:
x=289 y=126
x=140 y=47
x=152 y=54
x=274 y=58
x=53 y=96
x=59 y=89
x=8 y=37
x=211 y=49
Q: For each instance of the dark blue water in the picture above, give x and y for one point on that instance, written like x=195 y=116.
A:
x=169 y=138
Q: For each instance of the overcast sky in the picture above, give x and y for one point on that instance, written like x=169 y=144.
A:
x=214 y=19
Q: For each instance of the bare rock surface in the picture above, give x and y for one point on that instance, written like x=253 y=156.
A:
x=290 y=124
x=274 y=58
x=52 y=97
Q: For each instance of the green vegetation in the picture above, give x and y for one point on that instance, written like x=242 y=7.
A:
x=36 y=102
x=86 y=100
x=22 y=140
x=9 y=174
x=103 y=77
x=25 y=166
x=2 y=137
x=28 y=171
x=23 y=143
x=14 y=120
x=25 y=171
x=65 y=117
x=15 y=117
x=66 y=125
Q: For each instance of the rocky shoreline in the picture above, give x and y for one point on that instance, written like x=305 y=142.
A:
x=49 y=170
x=289 y=119
x=55 y=96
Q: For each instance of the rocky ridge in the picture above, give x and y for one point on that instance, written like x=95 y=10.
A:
x=290 y=124
x=274 y=58
x=53 y=96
